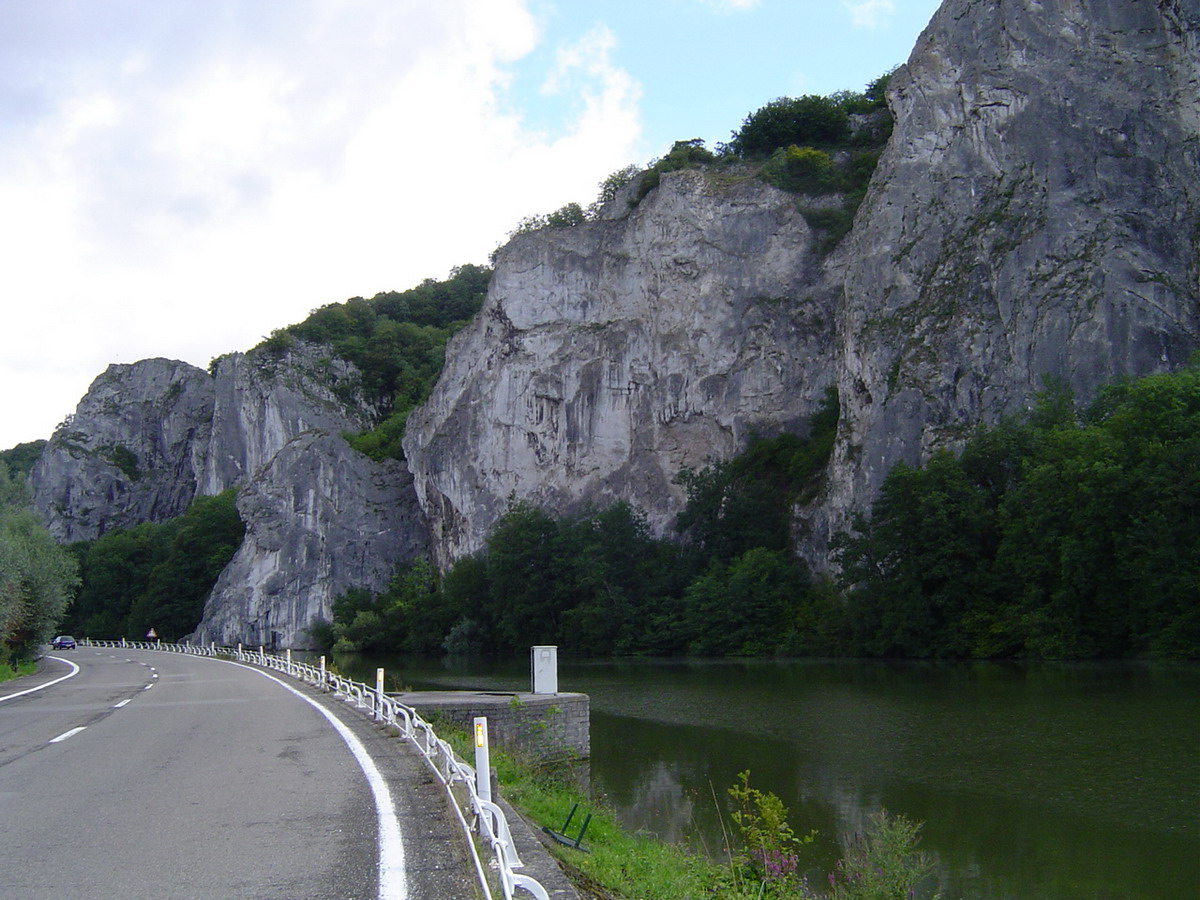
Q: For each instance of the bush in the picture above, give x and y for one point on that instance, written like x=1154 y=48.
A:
x=767 y=858
x=883 y=863
x=807 y=120
x=800 y=170
x=683 y=155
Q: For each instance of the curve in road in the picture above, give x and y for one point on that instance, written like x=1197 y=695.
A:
x=170 y=776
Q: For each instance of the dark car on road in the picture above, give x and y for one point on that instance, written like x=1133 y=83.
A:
x=63 y=642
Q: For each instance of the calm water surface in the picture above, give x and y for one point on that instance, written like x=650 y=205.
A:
x=1049 y=780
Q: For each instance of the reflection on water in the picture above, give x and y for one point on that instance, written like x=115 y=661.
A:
x=1034 y=781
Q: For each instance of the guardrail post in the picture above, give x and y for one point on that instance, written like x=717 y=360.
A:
x=483 y=763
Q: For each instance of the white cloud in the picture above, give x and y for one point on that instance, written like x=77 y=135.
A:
x=182 y=178
x=869 y=13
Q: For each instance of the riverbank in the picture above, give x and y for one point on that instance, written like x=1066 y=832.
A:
x=765 y=858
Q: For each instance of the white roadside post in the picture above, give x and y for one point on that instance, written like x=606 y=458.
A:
x=483 y=764
x=323 y=673
x=289 y=661
x=378 y=694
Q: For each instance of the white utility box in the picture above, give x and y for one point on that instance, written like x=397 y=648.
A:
x=545 y=670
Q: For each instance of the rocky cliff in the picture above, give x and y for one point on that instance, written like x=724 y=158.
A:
x=130 y=453
x=610 y=355
x=320 y=518
x=1035 y=214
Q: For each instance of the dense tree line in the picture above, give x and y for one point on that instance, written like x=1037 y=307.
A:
x=37 y=576
x=397 y=340
x=1067 y=534
x=154 y=575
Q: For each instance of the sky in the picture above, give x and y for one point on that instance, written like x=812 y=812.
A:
x=179 y=178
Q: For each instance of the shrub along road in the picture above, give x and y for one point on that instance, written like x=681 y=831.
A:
x=152 y=775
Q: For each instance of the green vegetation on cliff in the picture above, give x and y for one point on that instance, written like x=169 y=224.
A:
x=398 y=341
x=21 y=458
x=811 y=146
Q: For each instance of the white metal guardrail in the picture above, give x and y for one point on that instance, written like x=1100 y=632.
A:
x=456 y=776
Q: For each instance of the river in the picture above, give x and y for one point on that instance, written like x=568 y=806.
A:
x=1060 y=781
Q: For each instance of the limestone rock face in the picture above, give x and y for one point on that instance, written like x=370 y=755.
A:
x=129 y=454
x=320 y=519
x=610 y=355
x=261 y=401
x=149 y=437
x=1037 y=213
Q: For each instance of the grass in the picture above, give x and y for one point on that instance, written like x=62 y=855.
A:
x=8 y=671
x=619 y=865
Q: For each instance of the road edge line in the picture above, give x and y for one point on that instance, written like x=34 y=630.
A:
x=42 y=687
x=393 y=877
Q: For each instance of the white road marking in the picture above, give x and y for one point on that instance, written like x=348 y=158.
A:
x=67 y=734
x=122 y=703
x=41 y=687
x=147 y=687
x=393 y=881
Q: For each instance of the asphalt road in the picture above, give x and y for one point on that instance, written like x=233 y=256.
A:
x=157 y=775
